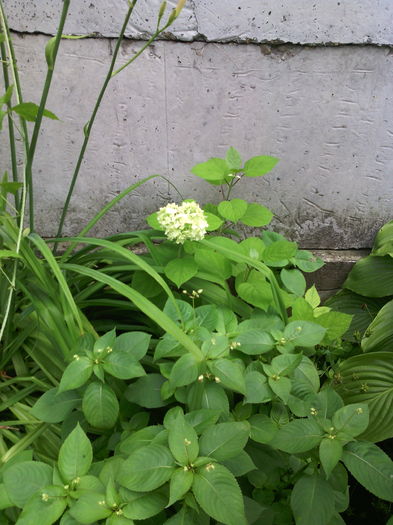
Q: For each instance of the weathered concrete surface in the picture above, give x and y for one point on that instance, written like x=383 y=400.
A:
x=327 y=113
x=292 y=21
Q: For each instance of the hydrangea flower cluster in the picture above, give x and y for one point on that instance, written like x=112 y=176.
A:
x=183 y=222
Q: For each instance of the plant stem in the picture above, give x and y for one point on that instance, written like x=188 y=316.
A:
x=37 y=124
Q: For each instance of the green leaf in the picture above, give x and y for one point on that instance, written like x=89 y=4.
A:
x=257 y=389
x=306 y=261
x=224 y=440
x=230 y=374
x=379 y=334
x=184 y=371
x=181 y=270
x=240 y=465
x=294 y=281
x=233 y=159
x=29 y=111
x=183 y=441
x=285 y=364
x=330 y=452
x=11 y=187
x=141 y=506
x=372 y=277
x=281 y=386
x=256 y=290
x=152 y=221
x=305 y=378
x=298 y=436
x=383 y=243
x=180 y=484
x=352 y=419
x=127 y=350
x=304 y=333
x=213 y=170
x=75 y=455
x=76 y=374
x=371 y=467
x=48 y=505
x=213 y=221
x=213 y=263
x=53 y=407
x=4 y=99
x=90 y=507
x=263 y=429
x=100 y=405
x=232 y=210
x=257 y=166
x=24 y=479
x=120 y=366
x=368 y=378
x=146 y=469
x=336 y=324
x=255 y=342
x=257 y=215
x=146 y=391
x=278 y=253
x=312 y=297
x=312 y=501
x=252 y=247
x=219 y=495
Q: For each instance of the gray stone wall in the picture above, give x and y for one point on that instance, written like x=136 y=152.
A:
x=307 y=81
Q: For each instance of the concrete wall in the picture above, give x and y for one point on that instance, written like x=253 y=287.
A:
x=307 y=81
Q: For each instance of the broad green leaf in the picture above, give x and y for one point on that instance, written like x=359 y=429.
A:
x=383 y=243
x=120 y=366
x=256 y=290
x=139 y=439
x=213 y=263
x=180 y=483
x=146 y=469
x=5 y=501
x=252 y=247
x=29 y=111
x=368 y=378
x=213 y=221
x=281 y=386
x=307 y=262
x=184 y=371
x=143 y=283
x=330 y=452
x=298 y=436
x=285 y=364
x=326 y=402
x=4 y=99
x=305 y=378
x=213 y=170
x=304 y=333
x=255 y=342
x=372 y=277
x=371 y=467
x=294 y=281
x=278 y=253
x=312 y=501
x=224 y=440
x=23 y=479
x=229 y=373
x=232 y=210
x=263 y=429
x=49 y=505
x=240 y=465
x=257 y=215
x=146 y=391
x=379 y=334
x=352 y=419
x=336 y=324
x=53 y=407
x=183 y=441
x=105 y=343
x=257 y=389
x=233 y=159
x=76 y=374
x=312 y=297
x=11 y=187
x=90 y=507
x=212 y=396
x=141 y=506
x=153 y=222
x=100 y=405
x=75 y=455
x=181 y=270
x=202 y=419
x=219 y=495
x=257 y=166
x=134 y=344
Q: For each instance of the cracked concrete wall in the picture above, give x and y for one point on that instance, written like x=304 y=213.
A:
x=325 y=110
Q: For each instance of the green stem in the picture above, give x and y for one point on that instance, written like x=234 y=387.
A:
x=38 y=121
x=89 y=126
x=11 y=132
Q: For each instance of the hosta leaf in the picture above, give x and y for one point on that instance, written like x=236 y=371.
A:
x=298 y=436
x=383 y=243
x=75 y=455
x=219 y=495
x=23 y=479
x=146 y=469
x=372 y=277
x=76 y=374
x=368 y=378
x=181 y=270
x=257 y=215
x=224 y=440
x=100 y=405
x=371 y=467
x=379 y=334
x=53 y=407
x=312 y=501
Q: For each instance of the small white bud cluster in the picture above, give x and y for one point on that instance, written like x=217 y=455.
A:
x=183 y=222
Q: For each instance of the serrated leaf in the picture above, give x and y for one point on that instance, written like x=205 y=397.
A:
x=141 y=506
x=75 y=455
x=312 y=501
x=371 y=467
x=48 y=505
x=257 y=389
x=258 y=166
x=100 y=405
x=294 y=281
x=224 y=440
x=29 y=111
x=147 y=468
x=180 y=483
x=184 y=371
x=298 y=436
x=304 y=333
x=23 y=479
x=146 y=391
x=257 y=215
x=53 y=407
x=330 y=452
x=213 y=170
x=352 y=419
x=263 y=429
x=219 y=495
x=183 y=441
x=233 y=159
x=230 y=374
x=232 y=210
x=76 y=374
x=89 y=508
x=181 y=270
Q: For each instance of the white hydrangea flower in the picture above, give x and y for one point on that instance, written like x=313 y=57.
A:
x=183 y=222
